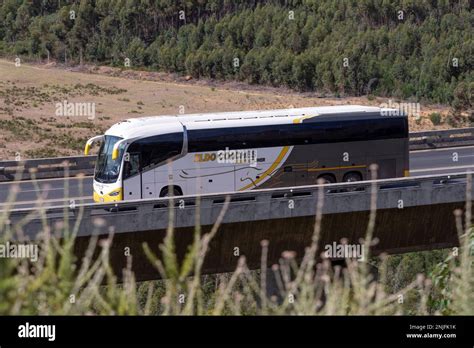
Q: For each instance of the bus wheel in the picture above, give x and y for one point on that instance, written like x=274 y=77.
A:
x=166 y=193
x=351 y=177
x=328 y=179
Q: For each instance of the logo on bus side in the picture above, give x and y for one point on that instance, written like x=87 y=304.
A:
x=204 y=157
x=246 y=156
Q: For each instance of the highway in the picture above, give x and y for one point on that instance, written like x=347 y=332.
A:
x=56 y=191
x=442 y=161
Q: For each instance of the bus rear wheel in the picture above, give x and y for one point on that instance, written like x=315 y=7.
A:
x=351 y=177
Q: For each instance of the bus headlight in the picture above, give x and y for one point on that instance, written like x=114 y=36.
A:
x=114 y=194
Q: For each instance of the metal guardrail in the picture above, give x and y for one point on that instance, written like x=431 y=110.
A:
x=442 y=138
x=59 y=167
x=43 y=168
x=275 y=193
x=255 y=205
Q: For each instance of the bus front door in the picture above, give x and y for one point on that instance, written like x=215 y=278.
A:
x=132 y=183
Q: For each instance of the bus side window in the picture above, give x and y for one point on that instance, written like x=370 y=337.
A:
x=132 y=166
x=157 y=149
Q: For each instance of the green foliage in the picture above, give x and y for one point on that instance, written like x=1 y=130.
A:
x=454 y=119
x=426 y=54
x=435 y=118
x=464 y=96
x=453 y=279
x=58 y=283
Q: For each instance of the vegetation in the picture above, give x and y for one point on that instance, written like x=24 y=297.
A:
x=60 y=284
x=435 y=118
x=420 y=50
x=402 y=49
x=19 y=98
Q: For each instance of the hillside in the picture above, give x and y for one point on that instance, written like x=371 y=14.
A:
x=417 y=50
x=30 y=127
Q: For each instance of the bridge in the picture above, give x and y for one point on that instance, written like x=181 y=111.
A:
x=413 y=214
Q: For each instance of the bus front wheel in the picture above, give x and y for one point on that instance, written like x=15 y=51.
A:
x=176 y=191
x=328 y=179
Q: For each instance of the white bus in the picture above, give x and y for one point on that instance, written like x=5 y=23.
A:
x=235 y=151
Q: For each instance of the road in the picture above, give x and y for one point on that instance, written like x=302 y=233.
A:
x=442 y=161
x=57 y=191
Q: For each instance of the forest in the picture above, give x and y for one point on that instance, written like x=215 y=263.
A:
x=420 y=50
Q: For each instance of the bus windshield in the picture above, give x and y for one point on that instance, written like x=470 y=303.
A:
x=107 y=170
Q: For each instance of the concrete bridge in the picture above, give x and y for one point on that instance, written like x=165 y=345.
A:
x=412 y=214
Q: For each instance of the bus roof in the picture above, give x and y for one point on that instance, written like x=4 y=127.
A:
x=155 y=125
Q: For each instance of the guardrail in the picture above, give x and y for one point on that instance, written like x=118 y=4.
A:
x=441 y=138
x=255 y=205
x=59 y=167
x=43 y=168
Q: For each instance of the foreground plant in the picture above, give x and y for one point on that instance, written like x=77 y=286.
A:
x=59 y=284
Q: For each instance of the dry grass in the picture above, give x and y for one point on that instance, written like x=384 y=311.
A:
x=29 y=93
x=54 y=285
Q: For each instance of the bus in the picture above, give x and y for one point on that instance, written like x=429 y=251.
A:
x=150 y=157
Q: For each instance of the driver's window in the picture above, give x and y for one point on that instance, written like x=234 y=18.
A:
x=156 y=149
x=132 y=166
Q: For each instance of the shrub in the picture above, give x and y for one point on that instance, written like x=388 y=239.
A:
x=306 y=288
x=435 y=118
x=454 y=119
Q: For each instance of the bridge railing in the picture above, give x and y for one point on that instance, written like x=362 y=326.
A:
x=284 y=216
x=59 y=167
x=423 y=183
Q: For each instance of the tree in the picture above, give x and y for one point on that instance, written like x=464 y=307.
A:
x=427 y=55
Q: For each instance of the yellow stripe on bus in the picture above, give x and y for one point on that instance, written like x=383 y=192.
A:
x=299 y=120
x=334 y=168
x=270 y=170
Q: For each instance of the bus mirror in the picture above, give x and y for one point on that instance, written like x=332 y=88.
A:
x=87 y=149
x=90 y=142
x=115 y=153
